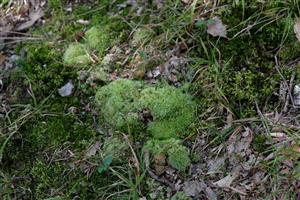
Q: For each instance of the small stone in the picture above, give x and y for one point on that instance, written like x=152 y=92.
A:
x=66 y=90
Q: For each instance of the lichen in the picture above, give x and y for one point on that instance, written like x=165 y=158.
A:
x=77 y=54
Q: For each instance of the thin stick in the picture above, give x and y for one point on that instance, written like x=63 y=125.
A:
x=284 y=80
x=287 y=99
x=161 y=180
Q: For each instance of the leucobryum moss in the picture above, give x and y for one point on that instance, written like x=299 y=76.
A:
x=122 y=103
x=77 y=54
x=96 y=39
x=117 y=101
x=172 y=110
x=178 y=155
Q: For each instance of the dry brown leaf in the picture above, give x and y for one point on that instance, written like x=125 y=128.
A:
x=2 y=58
x=217 y=28
x=34 y=16
x=93 y=149
x=297 y=29
x=226 y=181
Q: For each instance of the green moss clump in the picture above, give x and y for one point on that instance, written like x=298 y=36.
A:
x=178 y=155
x=46 y=178
x=117 y=148
x=117 y=101
x=290 y=51
x=179 y=158
x=76 y=54
x=157 y=147
x=43 y=68
x=171 y=109
x=142 y=36
x=97 y=39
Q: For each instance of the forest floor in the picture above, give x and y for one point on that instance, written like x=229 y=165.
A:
x=141 y=100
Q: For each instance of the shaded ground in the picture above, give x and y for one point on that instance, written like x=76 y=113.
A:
x=205 y=109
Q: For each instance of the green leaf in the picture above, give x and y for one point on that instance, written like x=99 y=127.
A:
x=105 y=164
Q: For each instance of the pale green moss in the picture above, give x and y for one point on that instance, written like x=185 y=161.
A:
x=117 y=101
x=179 y=158
x=97 y=39
x=171 y=109
x=76 y=54
x=178 y=155
x=157 y=147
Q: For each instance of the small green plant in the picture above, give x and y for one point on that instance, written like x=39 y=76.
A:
x=180 y=196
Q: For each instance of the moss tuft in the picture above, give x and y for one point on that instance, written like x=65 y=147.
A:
x=76 y=54
x=179 y=158
x=171 y=109
x=178 y=155
x=117 y=101
x=97 y=39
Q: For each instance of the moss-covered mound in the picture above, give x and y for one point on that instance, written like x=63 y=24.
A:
x=172 y=111
x=178 y=155
x=117 y=101
x=76 y=54
x=97 y=39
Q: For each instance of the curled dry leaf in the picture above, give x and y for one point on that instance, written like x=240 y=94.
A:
x=194 y=188
x=93 y=149
x=297 y=29
x=226 y=181
x=217 y=28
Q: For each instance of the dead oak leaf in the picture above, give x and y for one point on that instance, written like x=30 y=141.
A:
x=217 y=28
x=93 y=149
x=297 y=29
